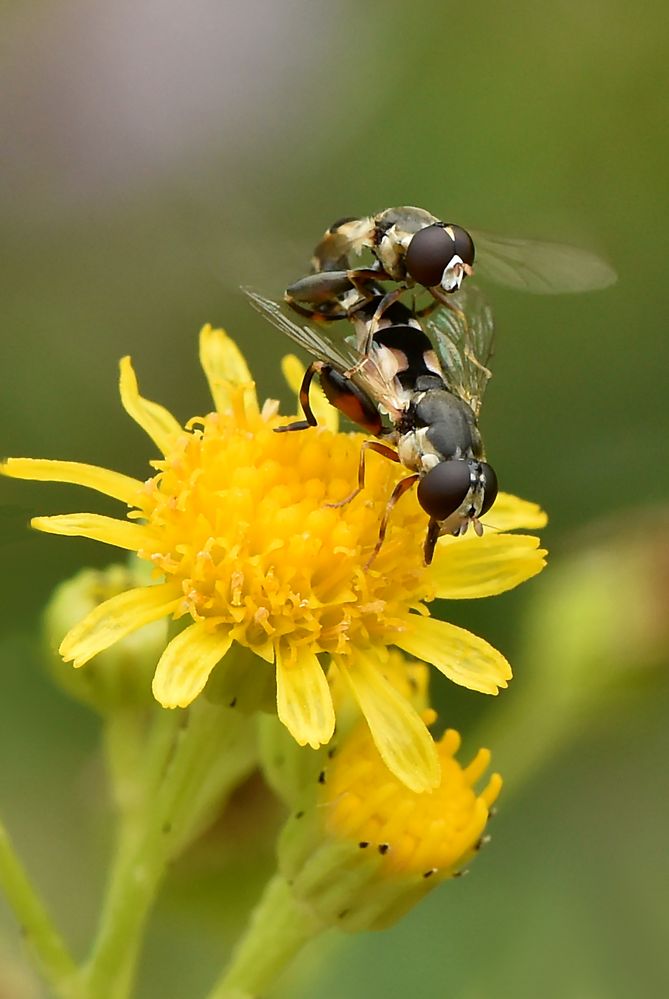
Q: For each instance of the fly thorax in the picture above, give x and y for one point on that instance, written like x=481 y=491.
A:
x=451 y=429
x=451 y=439
x=390 y=254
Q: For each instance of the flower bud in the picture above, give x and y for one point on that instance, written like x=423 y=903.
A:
x=119 y=677
x=362 y=849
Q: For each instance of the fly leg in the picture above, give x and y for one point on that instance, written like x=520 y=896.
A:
x=341 y=393
x=444 y=299
x=310 y=420
x=379 y=448
x=426 y=309
x=398 y=492
x=477 y=364
x=373 y=325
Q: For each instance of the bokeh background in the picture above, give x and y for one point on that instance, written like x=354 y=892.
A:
x=157 y=155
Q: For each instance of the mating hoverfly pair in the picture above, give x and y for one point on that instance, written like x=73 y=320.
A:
x=414 y=378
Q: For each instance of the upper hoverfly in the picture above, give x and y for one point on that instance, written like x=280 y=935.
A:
x=411 y=247
x=422 y=403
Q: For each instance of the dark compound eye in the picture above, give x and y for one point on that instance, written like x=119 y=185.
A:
x=432 y=249
x=428 y=255
x=444 y=488
x=464 y=244
x=489 y=487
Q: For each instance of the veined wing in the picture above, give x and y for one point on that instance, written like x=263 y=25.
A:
x=463 y=339
x=341 y=352
x=542 y=268
x=317 y=340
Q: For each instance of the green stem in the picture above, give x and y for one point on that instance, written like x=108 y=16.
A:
x=279 y=928
x=53 y=959
x=169 y=811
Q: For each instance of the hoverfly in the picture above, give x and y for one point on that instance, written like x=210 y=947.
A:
x=422 y=405
x=411 y=247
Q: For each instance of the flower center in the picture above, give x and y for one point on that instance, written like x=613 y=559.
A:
x=241 y=520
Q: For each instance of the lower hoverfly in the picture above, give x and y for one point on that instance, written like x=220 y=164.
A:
x=412 y=247
x=421 y=404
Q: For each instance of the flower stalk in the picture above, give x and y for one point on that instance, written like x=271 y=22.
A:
x=278 y=930
x=47 y=946
x=190 y=771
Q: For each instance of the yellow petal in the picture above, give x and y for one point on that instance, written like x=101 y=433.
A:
x=464 y=658
x=154 y=419
x=482 y=567
x=401 y=737
x=117 y=617
x=114 y=484
x=186 y=663
x=304 y=702
x=508 y=513
x=225 y=368
x=120 y=533
x=325 y=413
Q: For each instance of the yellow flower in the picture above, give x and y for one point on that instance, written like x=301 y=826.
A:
x=235 y=524
x=364 y=848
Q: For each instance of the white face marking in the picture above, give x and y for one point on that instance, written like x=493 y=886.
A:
x=452 y=277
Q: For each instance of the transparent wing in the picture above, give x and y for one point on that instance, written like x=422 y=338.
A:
x=341 y=352
x=463 y=339
x=320 y=341
x=542 y=268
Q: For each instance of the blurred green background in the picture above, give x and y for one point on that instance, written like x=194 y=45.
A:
x=156 y=155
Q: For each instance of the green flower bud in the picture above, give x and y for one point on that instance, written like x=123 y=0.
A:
x=119 y=677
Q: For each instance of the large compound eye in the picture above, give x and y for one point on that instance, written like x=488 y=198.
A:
x=444 y=488
x=463 y=243
x=429 y=254
x=432 y=249
x=489 y=487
